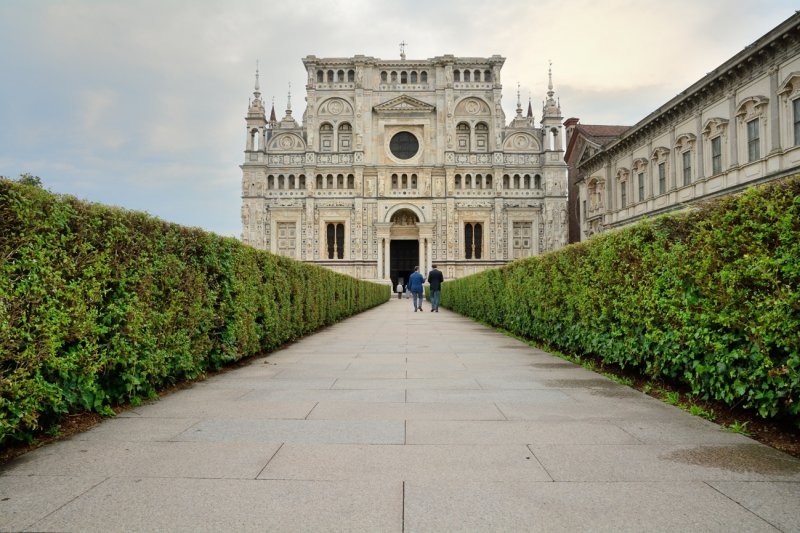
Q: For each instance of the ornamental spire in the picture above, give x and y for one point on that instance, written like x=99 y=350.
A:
x=550 y=80
x=519 y=103
x=257 y=91
x=289 y=101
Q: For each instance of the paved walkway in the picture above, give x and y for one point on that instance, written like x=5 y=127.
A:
x=403 y=421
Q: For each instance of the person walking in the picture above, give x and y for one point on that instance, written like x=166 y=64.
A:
x=435 y=278
x=415 y=282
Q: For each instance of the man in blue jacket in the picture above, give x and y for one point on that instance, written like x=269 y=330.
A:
x=415 y=282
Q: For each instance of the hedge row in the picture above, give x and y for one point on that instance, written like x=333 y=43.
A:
x=101 y=306
x=709 y=298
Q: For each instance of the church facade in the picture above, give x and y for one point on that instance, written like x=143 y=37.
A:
x=399 y=163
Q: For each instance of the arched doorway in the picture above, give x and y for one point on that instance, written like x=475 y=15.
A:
x=404 y=246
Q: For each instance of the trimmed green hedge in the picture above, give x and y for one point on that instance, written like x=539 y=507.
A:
x=709 y=298
x=101 y=306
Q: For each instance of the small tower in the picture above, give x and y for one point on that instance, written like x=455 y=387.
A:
x=273 y=121
x=288 y=121
x=551 y=117
x=256 y=121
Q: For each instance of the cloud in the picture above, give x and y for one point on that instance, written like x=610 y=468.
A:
x=141 y=104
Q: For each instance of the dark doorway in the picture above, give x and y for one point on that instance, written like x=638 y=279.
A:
x=404 y=256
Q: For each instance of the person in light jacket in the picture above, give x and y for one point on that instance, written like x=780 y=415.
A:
x=415 y=282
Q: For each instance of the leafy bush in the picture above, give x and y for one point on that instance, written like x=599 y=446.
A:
x=100 y=306
x=708 y=297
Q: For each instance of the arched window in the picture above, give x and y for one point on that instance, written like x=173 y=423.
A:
x=395 y=185
x=270 y=182
x=456 y=75
x=473 y=240
x=516 y=181
x=351 y=181
x=340 y=76
x=345 y=137
x=351 y=76
x=329 y=180
x=462 y=137
x=413 y=76
x=330 y=76
x=488 y=181
x=487 y=75
x=481 y=137
x=468 y=183
x=458 y=181
x=320 y=76
x=326 y=138
x=383 y=76
x=537 y=182
x=466 y=75
x=394 y=77
x=340 y=181
x=291 y=183
x=506 y=181
x=319 y=181
x=281 y=182
x=404 y=77
x=302 y=184
x=335 y=240
x=423 y=77
x=404 y=181
x=413 y=181
x=476 y=75
x=526 y=181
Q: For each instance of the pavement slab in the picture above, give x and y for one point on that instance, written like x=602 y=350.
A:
x=396 y=421
x=230 y=505
x=566 y=507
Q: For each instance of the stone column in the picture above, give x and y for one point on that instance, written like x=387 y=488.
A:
x=733 y=133
x=774 y=111
x=429 y=254
x=379 y=274
x=422 y=260
x=388 y=265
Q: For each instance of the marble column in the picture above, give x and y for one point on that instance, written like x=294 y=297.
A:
x=379 y=274
x=388 y=274
x=429 y=254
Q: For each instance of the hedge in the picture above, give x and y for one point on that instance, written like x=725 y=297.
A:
x=708 y=298
x=100 y=306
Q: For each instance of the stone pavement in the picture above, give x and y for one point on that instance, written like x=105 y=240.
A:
x=401 y=421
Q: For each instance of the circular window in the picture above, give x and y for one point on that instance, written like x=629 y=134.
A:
x=404 y=145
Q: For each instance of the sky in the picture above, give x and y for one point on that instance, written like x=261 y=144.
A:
x=141 y=103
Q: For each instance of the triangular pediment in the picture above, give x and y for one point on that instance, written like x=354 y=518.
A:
x=404 y=104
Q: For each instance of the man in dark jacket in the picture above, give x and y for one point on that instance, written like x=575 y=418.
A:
x=415 y=282
x=435 y=278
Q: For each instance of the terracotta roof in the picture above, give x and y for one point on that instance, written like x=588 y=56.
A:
x=602 y=134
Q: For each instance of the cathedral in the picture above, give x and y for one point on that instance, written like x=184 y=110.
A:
x=399 y=163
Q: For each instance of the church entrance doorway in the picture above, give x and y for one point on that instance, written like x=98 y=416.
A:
x=404 y=257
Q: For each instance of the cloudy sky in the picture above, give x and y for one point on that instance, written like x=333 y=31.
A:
x=140 y=103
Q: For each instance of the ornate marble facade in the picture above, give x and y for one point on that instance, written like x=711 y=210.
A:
x=737 y=126
x=413 y=156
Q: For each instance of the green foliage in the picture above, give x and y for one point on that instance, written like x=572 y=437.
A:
x=738 y=427
x=698 y=410
x=101 y=306
x=708 y=298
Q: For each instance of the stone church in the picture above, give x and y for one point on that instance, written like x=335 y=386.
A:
x=403 y=162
